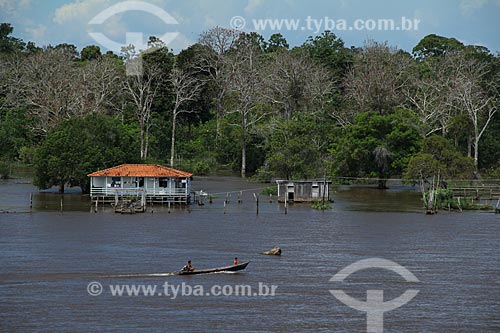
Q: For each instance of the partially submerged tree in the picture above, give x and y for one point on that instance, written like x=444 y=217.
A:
x=80 y=146
x=377 y=146
x=438 y=157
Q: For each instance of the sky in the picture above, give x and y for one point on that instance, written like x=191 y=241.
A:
x=111 y=23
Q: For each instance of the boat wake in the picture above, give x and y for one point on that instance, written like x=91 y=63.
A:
x=139 y=275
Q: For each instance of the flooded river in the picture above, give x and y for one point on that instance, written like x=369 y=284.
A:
x=49 y=258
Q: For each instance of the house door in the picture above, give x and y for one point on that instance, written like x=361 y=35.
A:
x=315 y=190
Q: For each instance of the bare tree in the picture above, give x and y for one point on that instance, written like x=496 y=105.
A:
x=428 y=92
x=55 y=88
x=219 y=42
x=45 y=82
x=100 y=85
x=185 y=87
x=293 y=82
x=474 y=95
x=245 y=86
x=142 y=88
x=376 y=78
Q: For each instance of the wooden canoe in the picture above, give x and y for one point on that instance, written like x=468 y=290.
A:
x=232 y=268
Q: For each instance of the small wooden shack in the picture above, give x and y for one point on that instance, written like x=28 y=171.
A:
x=149 y=182
x=303 y=190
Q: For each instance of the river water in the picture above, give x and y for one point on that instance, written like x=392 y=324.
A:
x=49 y=257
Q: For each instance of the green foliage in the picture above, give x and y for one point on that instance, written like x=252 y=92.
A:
x=8 y=44
x=296 y=148
x=91 y=52
x=14 y=132
x=376 y=145
x=434 y=46
x=276 y=42
x=329 y=50
x=490 y=145
x=319 y=205
x=80 y=146
x=5 y=169
x=444 y=200
x=439 y=157
x=271 y=190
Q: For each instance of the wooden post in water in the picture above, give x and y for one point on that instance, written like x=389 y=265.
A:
x=169 y=207
x=61 y=204
x=96 y=203
x=270 y=198
x=225 y=206
x=239 y=196
x=31 y=201
x=286 y=203
x=256 y=202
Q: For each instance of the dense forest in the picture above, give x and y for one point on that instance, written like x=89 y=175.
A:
x=236 y=101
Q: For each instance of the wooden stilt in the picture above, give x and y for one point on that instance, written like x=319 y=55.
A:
x=256 y=202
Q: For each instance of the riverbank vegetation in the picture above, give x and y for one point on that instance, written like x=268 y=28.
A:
x=237 y=101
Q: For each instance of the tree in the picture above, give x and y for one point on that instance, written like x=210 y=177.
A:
x=245 y=86
x=54 y=87
x=473 y=95
x=432 y=46
x=276 y=42
x=142 y=87
x=296 y=148
x=91 y=52
x=218 y=42
x=46 y=82
x=329 y=50
x=80 y=146
x=293 y=82
x=185 y=87
x=9 y=44
x=438 y=157
x=428 y=93
x=376 y=79
x=377 y=146
x=69 y=49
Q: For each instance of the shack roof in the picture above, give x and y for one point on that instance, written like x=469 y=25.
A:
x=140 y=170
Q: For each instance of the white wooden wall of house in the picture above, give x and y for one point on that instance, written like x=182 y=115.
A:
x=102 y=185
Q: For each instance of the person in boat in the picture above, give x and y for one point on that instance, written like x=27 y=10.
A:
x=189 y=267
x=235 y=261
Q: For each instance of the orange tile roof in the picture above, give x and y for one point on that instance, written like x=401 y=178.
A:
x=140 y=170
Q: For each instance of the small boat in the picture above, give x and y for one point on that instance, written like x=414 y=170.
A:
x=232 y=268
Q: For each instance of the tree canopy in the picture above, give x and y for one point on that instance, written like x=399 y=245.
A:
x=252 y=105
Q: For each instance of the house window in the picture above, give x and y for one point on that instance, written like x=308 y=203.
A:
x=116 y=181
x=140 y=180
x=163 y=182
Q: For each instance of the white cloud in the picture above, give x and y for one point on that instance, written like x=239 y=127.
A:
x=253 y=5
x=13 y=7
x=181 y=42
x=79 y=10
x=37 y=33
x=24 y=4
x=468 y=7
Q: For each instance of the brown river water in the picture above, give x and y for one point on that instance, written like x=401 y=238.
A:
x=49 y=258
